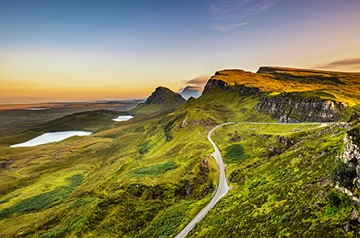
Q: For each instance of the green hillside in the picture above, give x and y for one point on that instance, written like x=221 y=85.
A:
x=162 y=100
x=149 y=176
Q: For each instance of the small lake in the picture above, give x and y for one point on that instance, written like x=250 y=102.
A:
x=122 y=118
x=37 y=108
x=51 y=137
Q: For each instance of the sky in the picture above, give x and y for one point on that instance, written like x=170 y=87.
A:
x=94 y=50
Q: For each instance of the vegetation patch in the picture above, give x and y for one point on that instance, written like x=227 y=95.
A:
x=235 y=153
x=344 y=174
x=144 y=147
x=43 y=200
x=155 y=170
x=54 y=233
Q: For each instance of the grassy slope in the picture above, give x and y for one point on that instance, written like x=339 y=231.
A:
x=283 y=194
x=344 y=87
x=125 y=186
x=149 y=176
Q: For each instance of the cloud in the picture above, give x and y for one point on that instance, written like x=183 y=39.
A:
x=230 y=26
x=198 y=81
x=231 y=14
x=350 y=62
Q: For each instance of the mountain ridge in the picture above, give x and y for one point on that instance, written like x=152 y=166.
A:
x=160 y=101
x=149 y=176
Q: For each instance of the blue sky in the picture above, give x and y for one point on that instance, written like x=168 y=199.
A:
x=80 y=50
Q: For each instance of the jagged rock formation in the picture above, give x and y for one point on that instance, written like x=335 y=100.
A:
x=294 y=107
x=161 y=100
x=213 y=84
x=191 y=91
x=351 y=154
x=249 y=91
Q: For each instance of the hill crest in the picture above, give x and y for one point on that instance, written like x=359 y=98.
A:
x=161 y=100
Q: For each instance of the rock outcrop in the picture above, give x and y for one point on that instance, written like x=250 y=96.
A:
x=351 y=154
x=249 y=91
x=161 y=100
x=213 y=84
x=293 y=107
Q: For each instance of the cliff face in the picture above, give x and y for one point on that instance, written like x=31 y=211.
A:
x=213 y=84
x=293 y=107
x=351 y=154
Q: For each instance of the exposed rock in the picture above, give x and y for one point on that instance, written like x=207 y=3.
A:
x=213 y=84
x=293 y=107
x=351 y=156
x=234 y=137
x=355 y=214
x=249 y=91
x=208 y=124
x=237 y=177
x=354 y=117
x=286 y=141
x=6 y=164
x=204 y=167
x=184 y=123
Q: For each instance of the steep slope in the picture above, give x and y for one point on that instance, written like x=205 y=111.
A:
x=191 y=91
x=294 y=95
x=161 y=100
x=279 y=175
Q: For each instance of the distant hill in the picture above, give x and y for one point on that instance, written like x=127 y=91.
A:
x=191 y=91
x=161 y=100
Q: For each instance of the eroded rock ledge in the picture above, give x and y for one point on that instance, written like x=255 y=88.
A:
x=293 y=107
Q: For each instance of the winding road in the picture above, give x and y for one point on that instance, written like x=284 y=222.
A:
x=223 y=187
x=221 y=190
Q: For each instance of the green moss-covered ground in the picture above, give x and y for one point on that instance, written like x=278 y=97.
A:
x=282 y=187
x=149 y=176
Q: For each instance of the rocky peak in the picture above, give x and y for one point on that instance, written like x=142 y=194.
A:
x=160 y=101
x=164 y=95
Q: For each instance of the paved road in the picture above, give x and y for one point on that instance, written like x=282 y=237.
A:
x=222 y=188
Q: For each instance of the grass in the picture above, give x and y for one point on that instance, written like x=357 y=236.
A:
x=288 y=194
x=148 y=177
x=235 y=153
x=43 y=200
x=327 y=84
x=154 y=170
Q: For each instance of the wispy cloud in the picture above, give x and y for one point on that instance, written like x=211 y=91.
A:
x=350 y=62
x=230 y=26
x=231 y=14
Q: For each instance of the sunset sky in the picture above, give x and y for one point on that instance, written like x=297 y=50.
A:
x=88 y=50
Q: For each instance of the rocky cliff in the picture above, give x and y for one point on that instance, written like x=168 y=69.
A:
x=212 y=84
x=351 y=154
x=295 y=107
